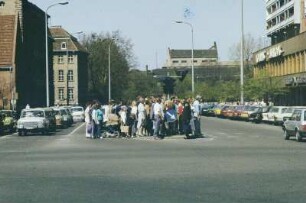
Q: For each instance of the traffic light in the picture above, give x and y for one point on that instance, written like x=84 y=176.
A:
x=182 y=73
x=168 y=85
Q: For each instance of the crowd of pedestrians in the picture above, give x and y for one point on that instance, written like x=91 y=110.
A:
x=153 y=116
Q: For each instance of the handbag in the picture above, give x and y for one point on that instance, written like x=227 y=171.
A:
x=89 y=128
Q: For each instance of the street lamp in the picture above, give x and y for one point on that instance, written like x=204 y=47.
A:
x=47 y=50
x=192 y=48
x=241 y=56
x=109 y=67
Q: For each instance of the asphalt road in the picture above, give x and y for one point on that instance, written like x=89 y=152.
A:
x=235 y=162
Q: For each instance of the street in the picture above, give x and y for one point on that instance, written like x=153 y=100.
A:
x=236 y=162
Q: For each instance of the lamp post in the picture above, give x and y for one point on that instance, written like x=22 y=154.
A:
x=47 y=50
x=109 y=69
x=192 y=49
x=241 y=56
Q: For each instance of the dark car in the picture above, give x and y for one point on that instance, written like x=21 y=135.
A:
x=9 y=120
x=1 y=124
x=256 y=116
x=207 y=110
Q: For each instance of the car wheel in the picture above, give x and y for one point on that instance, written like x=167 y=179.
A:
x=298 y=136
x=286 y=135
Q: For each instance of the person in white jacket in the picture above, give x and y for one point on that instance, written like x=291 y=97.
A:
x=140 y=117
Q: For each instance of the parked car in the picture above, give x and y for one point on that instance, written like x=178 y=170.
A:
x=245 y=114
x=288 y=112
x=275 y=115
x=257 y=115
x=68 y=114
x=33 y=120
x=217 y=110
x=237 y=111
x=61 y=118
x=1 y=124
x=295 y=125
x=224 y=111
x=78 y=113
x=8 y=120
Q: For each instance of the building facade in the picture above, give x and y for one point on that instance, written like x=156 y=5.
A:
x=285 y=59
x=70 y=68
x=179 y=58
x=22 y=54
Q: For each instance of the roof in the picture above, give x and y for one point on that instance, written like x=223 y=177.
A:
x=7 y=40
x=201 y=53
x=61 y=35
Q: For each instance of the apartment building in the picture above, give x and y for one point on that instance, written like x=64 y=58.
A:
x=70 y=68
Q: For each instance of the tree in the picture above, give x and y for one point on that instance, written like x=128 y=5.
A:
x=122 y=60
x=250 y=46
x=264 y=86
x=141 y=83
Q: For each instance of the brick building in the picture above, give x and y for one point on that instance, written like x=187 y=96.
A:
x=22 y=54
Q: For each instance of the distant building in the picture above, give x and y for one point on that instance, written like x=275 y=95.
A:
x=70 y=68
x=205 y=61
x=178 y=58
x=22 y=55
x=285 y=59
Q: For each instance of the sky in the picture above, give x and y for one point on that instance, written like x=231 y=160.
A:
x=149 y=24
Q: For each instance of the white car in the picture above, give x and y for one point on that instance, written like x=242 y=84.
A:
x=33 y=120
x=296 y=125
x=288 y=113
x=276 y=114
x=78 y=113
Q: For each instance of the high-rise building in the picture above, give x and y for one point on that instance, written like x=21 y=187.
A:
x=284 y=19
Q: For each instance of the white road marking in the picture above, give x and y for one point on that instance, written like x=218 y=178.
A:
x=76 y=129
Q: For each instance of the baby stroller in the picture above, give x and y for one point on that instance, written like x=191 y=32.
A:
x=111 y=127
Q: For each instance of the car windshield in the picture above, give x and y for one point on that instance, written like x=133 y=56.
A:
x=76 y=109
x=34 y=113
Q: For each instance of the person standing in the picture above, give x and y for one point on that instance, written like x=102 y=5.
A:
x=186 y=117
x=141 y=116
x=196 y=116
x=95 y=121
x=158 y=115
x=100 y=118
x=133 y=118
x=88 y=120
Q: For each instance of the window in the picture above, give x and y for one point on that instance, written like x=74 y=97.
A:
x=60 y=75
x=60 y=59
x=63 y=45
x=70 y=59
x=184 y=61
x=175 y=61
x=70 y=75
x=70 y=93
x=61 y=93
